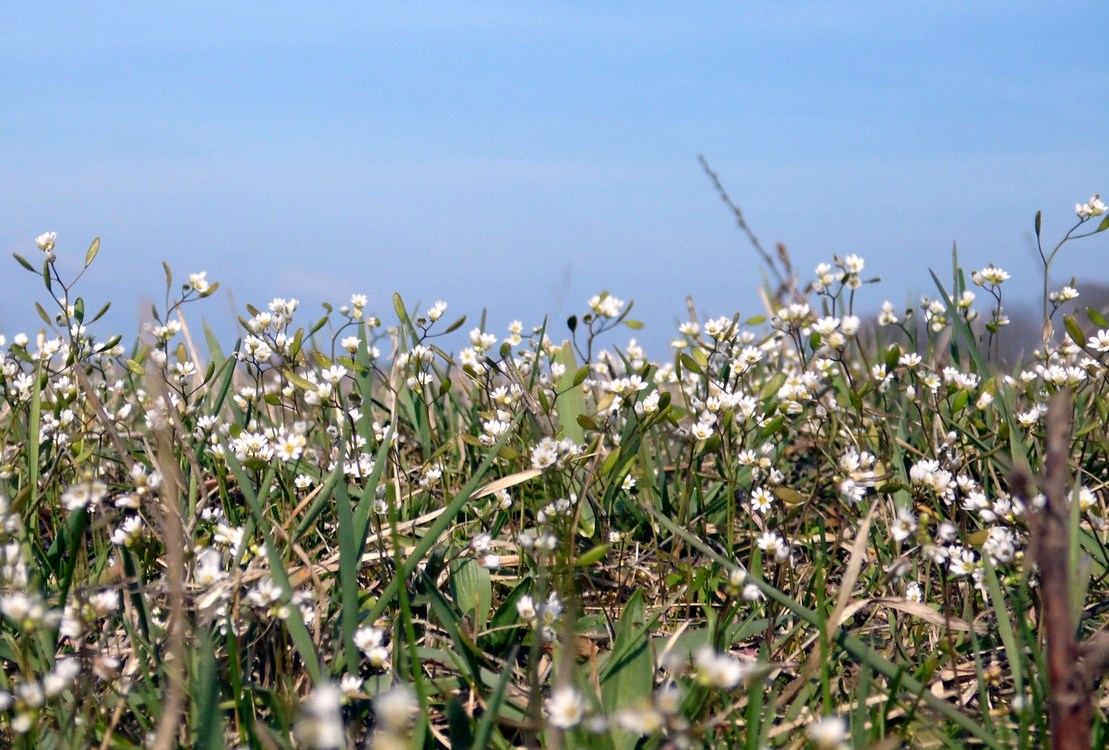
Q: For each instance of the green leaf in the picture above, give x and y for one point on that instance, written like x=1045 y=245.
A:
x=570 y=399
x=302 y=383
x=438 y=527
x=110 y=344
x=635 y=325
x=771 y=427
x=298 y=341
x=1004 y=621
x=23 y=262
x=500 y=633
x=593 y=556
x=627 y=679
x=788 y=496
x=94 y=248
x=772 y=386
x=587 y=422
x=893 y=356
x=1096 y=318
x=204 y=688
x=257 y=501
x=455 y=325
x=472 y=589
x=484 y=730
x=100 y=313
x=1074 y=331
x=135 y=368
x=1039 y=220
x=43 y=314
x=458 y=724
x=690 y=364
x=399 y=308
x=1103 y=225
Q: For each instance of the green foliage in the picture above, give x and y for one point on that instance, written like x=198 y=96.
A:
x=797 y=531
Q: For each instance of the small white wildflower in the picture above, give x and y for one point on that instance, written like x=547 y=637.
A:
x=437 y=311
x=717 y=670
x=1093 y=207
x=321 y=721
x=565 y=708
x=46 y=240
x=828 y=733
x=394 y=709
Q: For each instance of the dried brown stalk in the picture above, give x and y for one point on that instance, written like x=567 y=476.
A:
x=1074 y=668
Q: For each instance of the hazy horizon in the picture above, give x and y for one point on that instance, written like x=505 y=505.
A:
x=523 y=157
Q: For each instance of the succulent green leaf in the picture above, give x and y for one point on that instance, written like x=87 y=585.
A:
x=94 y=248
x=1096 y=318
x=23 y=262
x=1074 y=331
x=691 y=364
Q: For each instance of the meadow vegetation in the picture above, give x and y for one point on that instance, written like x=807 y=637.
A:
x=795 y=529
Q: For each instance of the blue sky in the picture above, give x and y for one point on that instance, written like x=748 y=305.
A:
x=523 y=156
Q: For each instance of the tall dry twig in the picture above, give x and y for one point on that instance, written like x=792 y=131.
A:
x=782 y=268
x=1074 y=668
x=173 y=530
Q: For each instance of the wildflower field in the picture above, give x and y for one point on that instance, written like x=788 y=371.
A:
x=800 y=529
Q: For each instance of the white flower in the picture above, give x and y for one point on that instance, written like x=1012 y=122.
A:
x=1092 y=207
x=333 y=374
x=437 y=311
x=525 y=608
x=46 y=240
x=394 y=709
x=752 y=593
x=366 y=637
x=1100 y=342
x=761 y=500
x=606 y=306
x=1066 y=294
x=351 y=685
x=828 y=733
x=209 y=567
x=321 y=721
x=199 y=282
x=991 y=275
x=701 y=431
x=84 y=495
x=128 y=531
x=719 y=670
x=775 y=547
x=369 y=640
x=64 y=673
x=887 y=317
x=642 y=721
x=565 y=708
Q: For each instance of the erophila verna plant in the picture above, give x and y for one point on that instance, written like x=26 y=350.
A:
x=796 y=529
